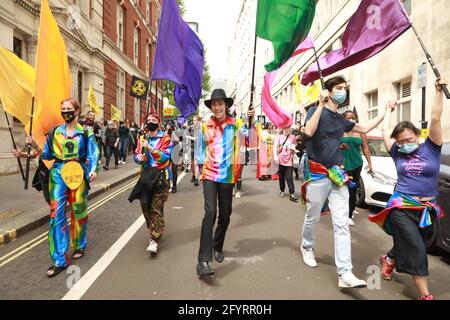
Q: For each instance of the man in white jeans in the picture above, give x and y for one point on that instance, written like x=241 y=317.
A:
x=324 y=129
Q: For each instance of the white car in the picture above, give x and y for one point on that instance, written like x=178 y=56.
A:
x=377 y=187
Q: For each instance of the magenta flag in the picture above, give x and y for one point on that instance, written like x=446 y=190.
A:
x=280 y=117
x=373 y=27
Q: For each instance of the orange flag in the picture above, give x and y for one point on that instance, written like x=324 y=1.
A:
x=52 y=83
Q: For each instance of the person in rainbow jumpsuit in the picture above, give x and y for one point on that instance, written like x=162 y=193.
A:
x=68 y=143
x=153 y=154
x=218 y=149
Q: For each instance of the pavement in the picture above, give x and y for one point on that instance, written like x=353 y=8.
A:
x=24 y=210
x=262 y=257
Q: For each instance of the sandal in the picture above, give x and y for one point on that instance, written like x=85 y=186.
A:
x=78 y=254
x=55 y=271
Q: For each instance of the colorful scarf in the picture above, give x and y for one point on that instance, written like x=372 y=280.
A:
x=404 y=201
x=315 y=171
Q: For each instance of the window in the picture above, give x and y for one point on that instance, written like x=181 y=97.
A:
x=407 y=4
x=80 y=87
x=403 y=100
x=121 y=81
x=372 y=100
x=148 y=12
x=120 y=19
x=136 y=46
x=17 y=47
x=83 y=5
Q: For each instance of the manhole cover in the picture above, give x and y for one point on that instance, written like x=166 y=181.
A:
x=9 y=214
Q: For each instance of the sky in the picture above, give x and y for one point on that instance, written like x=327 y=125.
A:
x=217 y=20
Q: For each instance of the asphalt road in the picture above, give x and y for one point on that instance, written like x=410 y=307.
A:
x=262 y=256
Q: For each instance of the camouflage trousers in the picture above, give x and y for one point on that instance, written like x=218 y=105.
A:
x=154 y=214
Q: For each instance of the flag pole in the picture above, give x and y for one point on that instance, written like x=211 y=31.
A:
x=430 y=60
x=252 y=88
x=150 y=103
x=15 y=147
x=322 y=82
x=27 y=170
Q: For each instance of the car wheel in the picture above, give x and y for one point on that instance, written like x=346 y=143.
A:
x=361 y=195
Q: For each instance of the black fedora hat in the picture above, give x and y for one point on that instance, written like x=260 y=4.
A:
x=219 y=94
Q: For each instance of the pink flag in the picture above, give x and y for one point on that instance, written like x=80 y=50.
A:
x=280 y=117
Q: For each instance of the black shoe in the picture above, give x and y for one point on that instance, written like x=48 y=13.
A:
x=196 y=183
x=293 y=198
x=203 y=269
x=174 y=190
x=218 y=255
x=106 y=168
x=193 y=179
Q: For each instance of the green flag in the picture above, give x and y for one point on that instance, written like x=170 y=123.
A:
x=286 y=23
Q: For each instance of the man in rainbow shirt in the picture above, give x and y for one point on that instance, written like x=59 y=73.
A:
x=217 y=149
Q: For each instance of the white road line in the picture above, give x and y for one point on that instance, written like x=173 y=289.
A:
x=42 y=237
x=81 y=287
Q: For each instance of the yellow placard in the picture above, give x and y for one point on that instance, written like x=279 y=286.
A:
x=424 y=133
x=72 y=174
x=93 y=102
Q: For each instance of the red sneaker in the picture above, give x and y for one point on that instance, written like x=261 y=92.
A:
x=427 y=297
x=386 y=268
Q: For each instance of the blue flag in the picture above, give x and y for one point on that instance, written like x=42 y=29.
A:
x=179 y=58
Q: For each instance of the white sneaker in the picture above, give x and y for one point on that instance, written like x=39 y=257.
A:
x=349 y=280
x=120 y=161
x=351 y=222
x=308 y=257
x=238 y=194
x=152 y=247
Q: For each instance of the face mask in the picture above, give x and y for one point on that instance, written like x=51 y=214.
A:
x=68 y=116
x=152 y=126
x=408 y=148
x=339 y=97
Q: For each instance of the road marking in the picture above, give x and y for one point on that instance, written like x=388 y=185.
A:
x=83 y=285
x=42 y=237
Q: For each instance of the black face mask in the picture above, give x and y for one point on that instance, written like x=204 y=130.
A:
x=152 y=126
x=68 y=116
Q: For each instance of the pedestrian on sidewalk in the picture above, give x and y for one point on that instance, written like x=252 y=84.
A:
x=175 y=158
x=284 y=149
x=218 y=152
x=76 y=153
x=351 y=145
x=325 y=178
x=412 y=210
x=152 y=189
x=111 y=145
x=124 y=139
x=134 y=130
x=90 y=124
x=193 y=131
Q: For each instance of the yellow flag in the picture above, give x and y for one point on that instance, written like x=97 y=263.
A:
x=298 y=91
x=52 y=76
x=116 y=114
x=312 y=93
x=93 y=102
x=16 y=85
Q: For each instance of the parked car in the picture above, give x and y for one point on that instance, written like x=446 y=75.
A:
x=441 y=238
x=377 y=187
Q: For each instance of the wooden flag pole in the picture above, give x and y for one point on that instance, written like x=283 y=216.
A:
x=27 y=170
x=15 y=147
x=150 y=103
x=430 y=60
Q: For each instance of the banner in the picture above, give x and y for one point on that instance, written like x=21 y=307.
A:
x=93 y=102
x=116 y=113
x=139 y=88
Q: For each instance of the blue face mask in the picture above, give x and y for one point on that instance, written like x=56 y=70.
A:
x=339 y=97
x=408 y=148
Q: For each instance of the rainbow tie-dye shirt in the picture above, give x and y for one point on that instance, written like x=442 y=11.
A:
x=217 y=149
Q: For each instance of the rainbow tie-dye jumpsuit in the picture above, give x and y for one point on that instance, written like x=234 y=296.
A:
x=61 y=148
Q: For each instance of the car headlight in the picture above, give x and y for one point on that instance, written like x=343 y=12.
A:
x=382 y=178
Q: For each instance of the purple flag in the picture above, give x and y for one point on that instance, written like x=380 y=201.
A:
x=179 y=58
x=374 y=26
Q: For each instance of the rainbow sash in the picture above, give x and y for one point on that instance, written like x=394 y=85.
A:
x=404 y=201
x=315 y=171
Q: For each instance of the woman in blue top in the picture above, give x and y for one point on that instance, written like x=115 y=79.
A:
x=412 y=209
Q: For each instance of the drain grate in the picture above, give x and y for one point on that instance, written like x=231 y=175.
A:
x=9 y=214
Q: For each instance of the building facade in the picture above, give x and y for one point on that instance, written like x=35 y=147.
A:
x=107 y=41
x=390 y=75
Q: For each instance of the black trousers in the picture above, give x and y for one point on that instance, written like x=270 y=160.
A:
x=174 y=174
x=109 y=151
x=285 y=175
x=409 y=251
x=223 y=194
x=356 y=173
